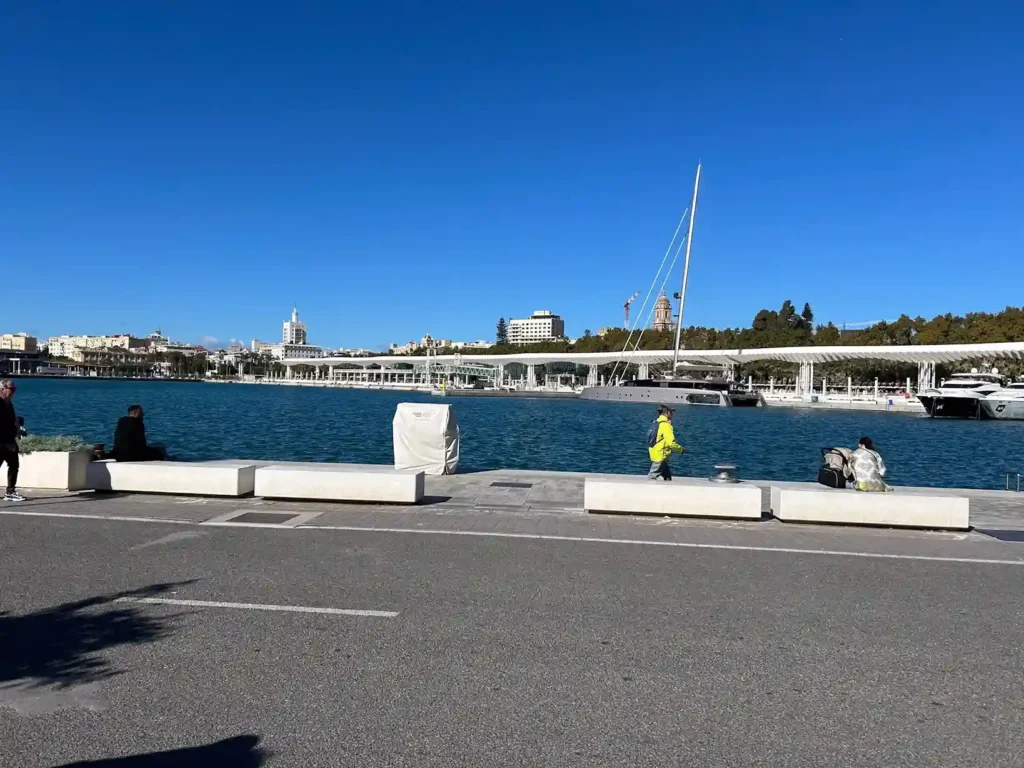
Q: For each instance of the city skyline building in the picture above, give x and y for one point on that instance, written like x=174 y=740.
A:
x=542 y=325
x=294 y=331
x=293 y=344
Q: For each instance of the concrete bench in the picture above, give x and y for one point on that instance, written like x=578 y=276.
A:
x=683 y=496
x=199 y=478
x=339 y=482
x=903 y=508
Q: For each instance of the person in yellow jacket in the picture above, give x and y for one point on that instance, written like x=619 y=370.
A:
x=661 y=443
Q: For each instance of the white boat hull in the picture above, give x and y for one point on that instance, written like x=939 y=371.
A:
x=1008 y=408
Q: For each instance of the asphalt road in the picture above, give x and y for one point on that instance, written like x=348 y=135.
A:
x=503 y=652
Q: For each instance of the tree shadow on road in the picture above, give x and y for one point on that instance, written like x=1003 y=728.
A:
x=61 y=646
x=239 y=752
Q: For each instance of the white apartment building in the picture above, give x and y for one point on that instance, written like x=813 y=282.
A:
x=293 y=331
x=542 y=325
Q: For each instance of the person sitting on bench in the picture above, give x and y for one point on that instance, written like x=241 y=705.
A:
x=868 y=467
x=130 y=439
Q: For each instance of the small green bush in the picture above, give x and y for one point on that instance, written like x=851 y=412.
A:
x=58 y=443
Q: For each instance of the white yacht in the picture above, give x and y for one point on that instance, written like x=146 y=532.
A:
x=1006 y=403
x=961 y=395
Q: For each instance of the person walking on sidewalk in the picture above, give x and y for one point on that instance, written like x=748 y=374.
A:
x=9 y=433
x=661 y=443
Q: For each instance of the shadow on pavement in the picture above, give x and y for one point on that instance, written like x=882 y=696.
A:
x=61 y=645
x=238 y=752
x=1002 y=535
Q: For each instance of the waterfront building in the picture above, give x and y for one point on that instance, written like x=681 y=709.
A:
x=280 y=351
x=110 y=356
x=62 y=346
x=294 y=332
x=662 y=314
x=19 y=342
x=542 y=325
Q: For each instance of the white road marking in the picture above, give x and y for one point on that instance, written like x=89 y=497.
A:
x=258 y=607
x=682 y=544
x=289 y=519
x=115 y=518
x=544 y=537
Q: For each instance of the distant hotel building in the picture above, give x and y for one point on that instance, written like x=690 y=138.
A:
x=293 y=342
x=542 y=325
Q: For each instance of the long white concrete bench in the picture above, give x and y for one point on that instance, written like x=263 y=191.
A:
x=903 y=508
x=198 y=478
x=684 y=496
x=339 y=482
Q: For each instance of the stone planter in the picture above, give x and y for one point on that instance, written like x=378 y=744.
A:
x=62 y=471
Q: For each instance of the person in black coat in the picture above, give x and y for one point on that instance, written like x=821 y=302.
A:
x=130 y=439
x=10 y=431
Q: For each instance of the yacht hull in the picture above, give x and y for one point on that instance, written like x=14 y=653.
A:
x=947 y=407
x=673 y=396
x=1011 y=409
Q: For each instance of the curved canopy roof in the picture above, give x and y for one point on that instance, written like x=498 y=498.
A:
x=920 y=353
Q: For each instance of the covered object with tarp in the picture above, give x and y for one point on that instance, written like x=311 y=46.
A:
x=426 y=437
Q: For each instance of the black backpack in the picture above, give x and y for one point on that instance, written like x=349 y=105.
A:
x=652 y=435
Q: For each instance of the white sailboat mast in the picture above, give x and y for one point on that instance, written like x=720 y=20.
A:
x=686 y=272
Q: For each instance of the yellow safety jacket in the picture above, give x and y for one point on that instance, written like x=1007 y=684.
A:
x=666 y=441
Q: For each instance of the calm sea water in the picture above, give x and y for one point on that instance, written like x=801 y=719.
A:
x=206 y=421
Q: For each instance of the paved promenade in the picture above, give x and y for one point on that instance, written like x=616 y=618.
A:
x=498 y=625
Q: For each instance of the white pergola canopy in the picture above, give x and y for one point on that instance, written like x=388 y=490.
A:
x=934 y=353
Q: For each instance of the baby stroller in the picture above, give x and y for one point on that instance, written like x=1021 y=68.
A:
x=837 y=469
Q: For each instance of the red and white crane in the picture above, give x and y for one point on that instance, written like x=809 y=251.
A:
x=625 y=306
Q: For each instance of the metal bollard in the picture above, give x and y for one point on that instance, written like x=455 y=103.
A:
x=724 y=474
x=1013 y=474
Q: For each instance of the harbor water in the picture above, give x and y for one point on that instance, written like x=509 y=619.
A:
x=209 y=421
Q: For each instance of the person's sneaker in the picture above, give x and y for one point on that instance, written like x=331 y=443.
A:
x=14 y=496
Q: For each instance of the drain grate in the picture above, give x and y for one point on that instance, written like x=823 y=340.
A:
x=264 y=517
x=511 y=485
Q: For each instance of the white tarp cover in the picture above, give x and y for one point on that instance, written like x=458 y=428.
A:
x=426 y=438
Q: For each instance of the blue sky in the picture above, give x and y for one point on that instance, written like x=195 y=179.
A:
x=402 y=168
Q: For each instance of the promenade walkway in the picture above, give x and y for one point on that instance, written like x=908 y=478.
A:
x=525 y=503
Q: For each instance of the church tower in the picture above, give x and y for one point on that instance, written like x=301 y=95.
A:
x=662 y=314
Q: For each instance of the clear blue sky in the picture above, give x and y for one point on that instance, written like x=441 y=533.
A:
x=402 y=168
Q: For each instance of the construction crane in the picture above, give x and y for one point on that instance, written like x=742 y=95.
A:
x=626 y=306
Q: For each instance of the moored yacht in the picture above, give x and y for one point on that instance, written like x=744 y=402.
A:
x=1006 y=403
x=961 y=395
x=677 y=391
